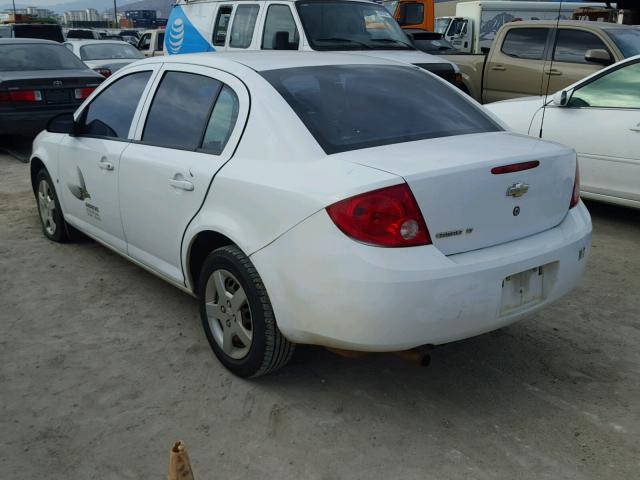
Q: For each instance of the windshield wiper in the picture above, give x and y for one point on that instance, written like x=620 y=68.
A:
x=343 y=40
x=406 y=44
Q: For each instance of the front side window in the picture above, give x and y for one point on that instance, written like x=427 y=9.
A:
x=348 y=25
x=37 y=56
x=617 y=89
x=411 y=13
x=280 y=31
x=223 y=119
x=111 y=112
x=145 y=42
x=244 y=23
x=527 y=43
x=348 y=107
x=222 y=25
x=572 y=45
x=108 y=51
x=180 y=110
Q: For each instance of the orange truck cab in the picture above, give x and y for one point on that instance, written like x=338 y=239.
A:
x=412 y=14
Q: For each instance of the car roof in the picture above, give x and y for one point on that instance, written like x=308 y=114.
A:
x=572 y=23
x=5 y=41
x=271 y=60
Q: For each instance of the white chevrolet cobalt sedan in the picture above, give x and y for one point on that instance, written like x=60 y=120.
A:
x=316 y=198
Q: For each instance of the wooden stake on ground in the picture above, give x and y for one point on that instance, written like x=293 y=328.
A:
x=179 y=464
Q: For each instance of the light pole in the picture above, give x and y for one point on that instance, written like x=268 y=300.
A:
x=14 y=11
x=115 y=14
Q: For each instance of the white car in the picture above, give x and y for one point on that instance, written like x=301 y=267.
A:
x=316 y=198
x=104 y=56
x=600 y=118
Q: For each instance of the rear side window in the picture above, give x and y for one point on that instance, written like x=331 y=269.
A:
x=348 y=107
x=160 y=40
x=244 y=23
x=222 y=25
x=411 y=13
x=110 y=113
x=180 y=110
x=223 y=119
x=280 y=31
x=526 y=43
x=572 y=45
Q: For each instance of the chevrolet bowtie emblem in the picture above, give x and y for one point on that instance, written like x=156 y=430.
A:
x=517 y=190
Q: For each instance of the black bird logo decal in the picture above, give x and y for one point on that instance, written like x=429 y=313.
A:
x=79 y=191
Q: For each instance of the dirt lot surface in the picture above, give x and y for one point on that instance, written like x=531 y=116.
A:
x=103 y=366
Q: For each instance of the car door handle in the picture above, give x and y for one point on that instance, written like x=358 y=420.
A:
x=105 y=165
x=635 y=129
x=553 y=71
x=499 y=68
x=179 y=182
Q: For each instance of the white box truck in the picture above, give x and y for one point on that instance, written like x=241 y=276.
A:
x=476 y=23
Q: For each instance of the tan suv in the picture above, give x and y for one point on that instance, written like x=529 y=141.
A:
x=519 y=62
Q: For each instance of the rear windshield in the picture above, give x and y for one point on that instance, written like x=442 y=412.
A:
x=627 y=40
x=37 y=56
x=348 y=107
x=348 y=25
x=44 y=32
x=85 y=34
x=109 y=51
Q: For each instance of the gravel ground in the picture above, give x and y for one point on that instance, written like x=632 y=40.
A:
x=103 y=366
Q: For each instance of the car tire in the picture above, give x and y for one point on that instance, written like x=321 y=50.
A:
x=237 y=316
x=52 y=220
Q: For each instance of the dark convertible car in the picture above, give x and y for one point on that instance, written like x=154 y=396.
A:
x=39 y=79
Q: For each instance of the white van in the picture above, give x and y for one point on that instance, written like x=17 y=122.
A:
x=476 y=23
x=321 y=25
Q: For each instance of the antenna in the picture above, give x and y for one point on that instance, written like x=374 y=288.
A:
x=553 y=54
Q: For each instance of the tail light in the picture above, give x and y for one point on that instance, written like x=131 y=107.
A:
x=82 y=93
x=575 y=196
x=21 y=96
x=105 y=72
x=389 y=217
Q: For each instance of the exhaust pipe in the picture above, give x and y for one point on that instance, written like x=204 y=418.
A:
x=420 y=356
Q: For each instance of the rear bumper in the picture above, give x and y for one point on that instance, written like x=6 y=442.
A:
x=328 y=290
x=29 y=122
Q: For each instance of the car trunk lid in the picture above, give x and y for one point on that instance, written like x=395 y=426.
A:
x=465 y=205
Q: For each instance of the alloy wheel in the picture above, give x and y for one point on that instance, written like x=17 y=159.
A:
x=47 y=207
x=229 y=314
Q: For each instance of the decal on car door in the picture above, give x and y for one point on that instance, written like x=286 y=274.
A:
x=80 y=191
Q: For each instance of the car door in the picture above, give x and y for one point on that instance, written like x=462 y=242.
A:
x=193 y=122
x=90 y=160
x=243 y=26
x=516 y=69
x=569 y=63
x=279 y=20
x=602 y=122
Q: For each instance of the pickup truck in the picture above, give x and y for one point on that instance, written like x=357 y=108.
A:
x=522 y=60
x=151 y=43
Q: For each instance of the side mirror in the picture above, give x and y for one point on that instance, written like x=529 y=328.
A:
x=63 y=123
x=485 y=50
x=598 y=55
x=561 y=98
